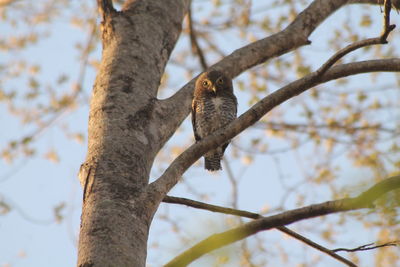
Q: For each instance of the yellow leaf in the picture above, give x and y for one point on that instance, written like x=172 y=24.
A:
x=52 y=156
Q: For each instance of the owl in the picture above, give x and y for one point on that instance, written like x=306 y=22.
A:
x=214 y=106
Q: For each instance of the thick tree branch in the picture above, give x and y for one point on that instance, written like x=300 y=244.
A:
x=364 y=200
x=242 y=213
x=170 y=177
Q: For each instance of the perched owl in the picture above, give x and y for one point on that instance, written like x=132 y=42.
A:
x=214 y=106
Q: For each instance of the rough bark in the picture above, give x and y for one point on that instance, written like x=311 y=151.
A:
x=128 y=125
x=124 y=132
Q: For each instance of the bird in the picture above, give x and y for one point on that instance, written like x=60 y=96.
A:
x=214 y=106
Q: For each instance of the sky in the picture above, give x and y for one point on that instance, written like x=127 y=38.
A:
x=33 y=187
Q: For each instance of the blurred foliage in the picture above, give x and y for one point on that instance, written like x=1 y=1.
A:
x=352 y=123
x=31 y=94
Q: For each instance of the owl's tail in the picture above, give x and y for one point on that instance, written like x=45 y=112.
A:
x=213 y=162
x=212 y=159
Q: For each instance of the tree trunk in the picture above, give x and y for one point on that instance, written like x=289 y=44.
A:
x=124 y=132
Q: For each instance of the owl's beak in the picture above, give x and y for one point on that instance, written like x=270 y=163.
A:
x=214 y=89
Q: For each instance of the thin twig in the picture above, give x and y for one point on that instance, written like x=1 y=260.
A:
x=251 y=215
x=315 y=245
x=382 y=39
x=342 y=52
x=299 y=127
x=85 y=58
x=196 y=49
x=233 y=182
x=368 y=247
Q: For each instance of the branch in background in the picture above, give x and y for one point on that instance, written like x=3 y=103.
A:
x=5 y=3
x=7 y=205
x=85 y=58
x=304 y=128
x=246 y=253
x=364 y=200
x=57 y=113
x=196 y=49
x=242 y=213
x=233 y=181
x=368 y=247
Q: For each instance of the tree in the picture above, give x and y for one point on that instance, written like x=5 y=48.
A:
x=129 y=125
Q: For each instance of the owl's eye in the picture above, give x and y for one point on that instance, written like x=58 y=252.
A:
x=220 y=81
x=206 y=83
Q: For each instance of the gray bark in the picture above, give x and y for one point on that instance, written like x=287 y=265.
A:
x=128 y=125
x=124 y=136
